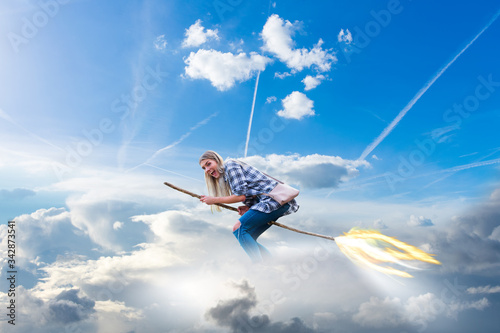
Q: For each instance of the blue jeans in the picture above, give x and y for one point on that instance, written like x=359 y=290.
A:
x=253 y=224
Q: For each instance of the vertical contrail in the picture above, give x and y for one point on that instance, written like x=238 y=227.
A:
x=251 y=114
x=254 y=95
x=422 y=91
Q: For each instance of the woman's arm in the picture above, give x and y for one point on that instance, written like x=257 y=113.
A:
x=222 y=200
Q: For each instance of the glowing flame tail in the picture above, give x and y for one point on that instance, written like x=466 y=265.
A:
x=371 y=248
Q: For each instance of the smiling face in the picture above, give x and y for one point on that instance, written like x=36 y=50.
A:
x=210 y=167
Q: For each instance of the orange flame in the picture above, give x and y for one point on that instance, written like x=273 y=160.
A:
x=370 y=248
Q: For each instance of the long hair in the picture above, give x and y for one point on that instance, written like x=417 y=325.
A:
x=217 y=187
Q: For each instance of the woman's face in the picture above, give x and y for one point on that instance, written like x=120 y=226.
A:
x=210 y=167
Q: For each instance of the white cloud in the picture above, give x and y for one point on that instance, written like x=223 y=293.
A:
x=282 y=75
x=484 y=290
x=379 y=313
x=196 y=35
x=419 y=221
x=422 y=309
x=277 y=35
x=344 y=36
x=183 y=268
x=117 y=225
x=311 y=82
x=311 y=171
x=296 y=106
x=495 y=234
x=118 y=310
x=469 y=244
x=237 y=45
x=160 y=271
x=43 y=233
x=223 y=70
x=96 y=218
x=102 y=200
x=456 y=307
x=160 y=42
x=271 y=99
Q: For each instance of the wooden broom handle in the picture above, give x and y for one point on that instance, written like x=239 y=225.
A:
x=235 y=210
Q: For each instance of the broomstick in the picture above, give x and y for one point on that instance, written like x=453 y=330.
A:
x=369 y=248
x=234 y=209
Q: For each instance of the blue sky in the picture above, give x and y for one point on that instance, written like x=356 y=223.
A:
x=384 y=113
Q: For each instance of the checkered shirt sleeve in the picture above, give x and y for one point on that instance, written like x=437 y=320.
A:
x=250 y=182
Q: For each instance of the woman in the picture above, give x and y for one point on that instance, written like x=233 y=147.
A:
x=231 y=182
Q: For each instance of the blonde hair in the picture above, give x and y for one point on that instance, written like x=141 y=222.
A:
x=217 y=187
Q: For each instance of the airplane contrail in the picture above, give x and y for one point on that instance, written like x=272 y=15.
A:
x=8 y=118
x=453 y=171
x=449 y=171
x=251 y=114
x=470 y=166
x=175 y=143
x=175 y=173
x=422 y=91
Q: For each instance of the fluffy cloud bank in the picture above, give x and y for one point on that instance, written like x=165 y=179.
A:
x=469 y=244
x=311 y=171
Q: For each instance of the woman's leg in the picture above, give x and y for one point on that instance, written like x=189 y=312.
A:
x=253 y=224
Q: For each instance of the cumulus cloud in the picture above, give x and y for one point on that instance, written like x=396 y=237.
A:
x=223 y=70
x=416 y=311
x=117 y=225
x=296 y=106
x=160 y=43
x=234 y=314
x=484 y=290
x=419 y=221
x=310 y=171
x=68 y=307
x=271 y=99
x=96 y=217
x=65 y=310
x=45 y=234
x=344 y=36
x=282 y=75
x=277 y=35
x=312 y=82
x=196 y=35
x=169 y=273
x=379 y=313
x=467 y=244
x=495 y=234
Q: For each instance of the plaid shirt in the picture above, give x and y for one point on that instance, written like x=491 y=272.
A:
x=250 y=182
